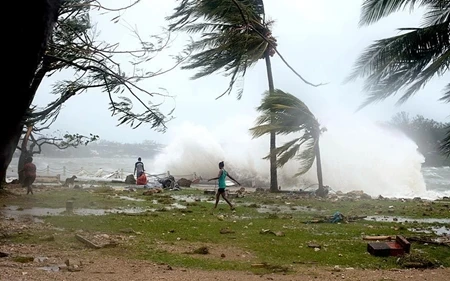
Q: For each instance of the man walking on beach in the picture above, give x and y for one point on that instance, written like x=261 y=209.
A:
x=139 y=168
x=223 y=174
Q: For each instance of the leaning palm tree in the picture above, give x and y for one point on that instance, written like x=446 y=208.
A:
x=407 y=61
x=285 y=114
x=234 y=36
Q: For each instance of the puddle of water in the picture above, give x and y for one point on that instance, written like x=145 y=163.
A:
x=12 y=211
x=264 y=209
x=187 y=198
x=441 y=231
x=438 y=230
x=410 y=220
x=176 y=206
x=131 y=198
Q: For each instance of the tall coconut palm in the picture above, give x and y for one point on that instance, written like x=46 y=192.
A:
x=285 y=114
x=408 y=61
x=234 y=36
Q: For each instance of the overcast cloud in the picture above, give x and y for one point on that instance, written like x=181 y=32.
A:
x=320 y=39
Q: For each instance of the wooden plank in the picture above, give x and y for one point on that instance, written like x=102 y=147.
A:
x=405 y=243
x=375 y=238
x=87 y=242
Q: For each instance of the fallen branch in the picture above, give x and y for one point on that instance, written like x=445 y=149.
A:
x=428 y=241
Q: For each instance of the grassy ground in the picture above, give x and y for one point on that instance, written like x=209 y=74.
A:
x=241 y=240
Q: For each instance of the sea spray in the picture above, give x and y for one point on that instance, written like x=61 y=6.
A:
x=357 y=154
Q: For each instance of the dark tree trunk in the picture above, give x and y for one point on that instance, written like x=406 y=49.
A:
x=26 y=32
x=273 y=157
x=24 y=154
x=321 y=190
x=2 y=182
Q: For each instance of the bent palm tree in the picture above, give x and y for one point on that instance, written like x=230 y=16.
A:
x=235 y=36
x=410 y=60
x=285 y=114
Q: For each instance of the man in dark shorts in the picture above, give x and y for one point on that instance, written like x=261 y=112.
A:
x=139 y=168
x=222 y=185
x=29 y=174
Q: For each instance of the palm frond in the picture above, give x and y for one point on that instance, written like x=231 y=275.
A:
x=228 y=43
x=437 y=13
x=374 y=10
x=406 y=61
x=306 y=159
x=446 y=96
x=218 y=11
x=289 y=112
x=445 y=145
x=285 y=114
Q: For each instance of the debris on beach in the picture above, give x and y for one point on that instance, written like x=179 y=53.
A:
x=201 y=251
x=314 y=245
x=416 y=260
x=337 y=217
x=398 y=247
x=276 y=233
x=226 y=230
x=152 y=191
x=184 y=182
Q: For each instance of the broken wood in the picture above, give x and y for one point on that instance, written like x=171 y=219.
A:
x=259 y=265
x=276 y=233
x=428 y=241
x=375 y=238
x=87 y=242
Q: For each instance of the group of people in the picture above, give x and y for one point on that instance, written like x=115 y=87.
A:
x=139 y=171
x=29 y=176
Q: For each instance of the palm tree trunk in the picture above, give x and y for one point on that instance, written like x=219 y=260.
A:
x=321 y=191
x=273 y=157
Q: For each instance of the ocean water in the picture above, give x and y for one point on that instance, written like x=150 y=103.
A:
x=357 y=154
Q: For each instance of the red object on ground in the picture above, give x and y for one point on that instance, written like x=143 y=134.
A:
x=394 y=248
x=142 y=180
x=405 y=243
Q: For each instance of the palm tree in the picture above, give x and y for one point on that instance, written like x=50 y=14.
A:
x=234 y=36
x=285 y=114
x=409 y=60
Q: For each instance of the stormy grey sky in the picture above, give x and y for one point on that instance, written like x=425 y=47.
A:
x=320 y=39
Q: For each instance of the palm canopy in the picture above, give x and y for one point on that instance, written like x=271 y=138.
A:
x=409 y=60
x=285 y=114
x=234 y=36
x=446 y=143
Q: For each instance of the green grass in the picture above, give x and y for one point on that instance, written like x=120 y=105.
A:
x=341 y=244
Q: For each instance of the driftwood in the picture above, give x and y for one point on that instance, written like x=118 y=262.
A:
x=87 y=242
x=374 y=238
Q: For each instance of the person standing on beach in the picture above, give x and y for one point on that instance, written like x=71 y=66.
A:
x=29 y=173
x=222 y=185
x=139 y=168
